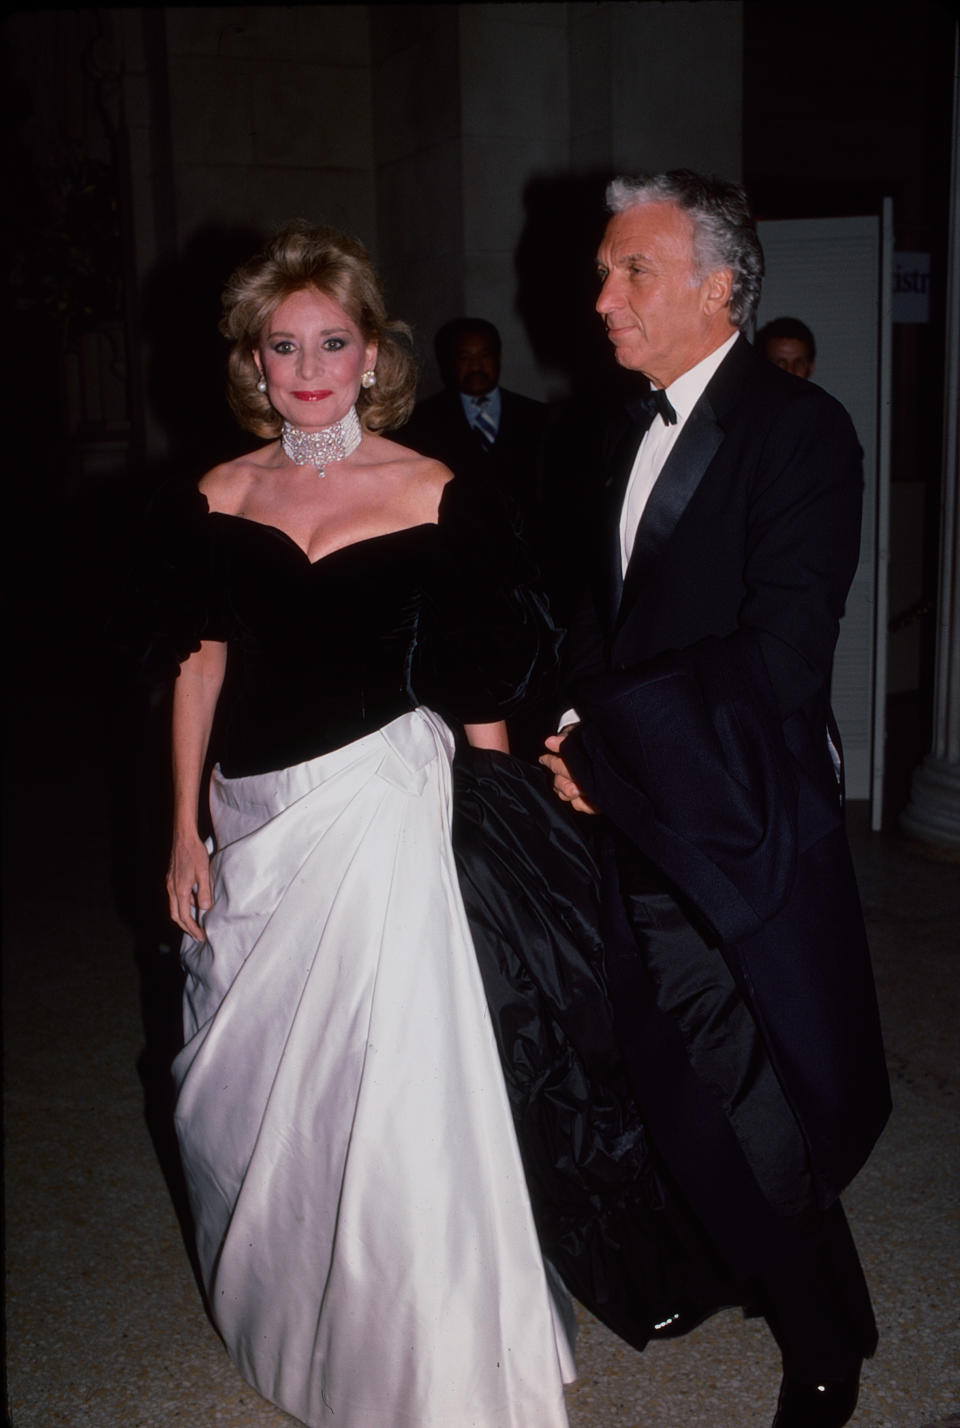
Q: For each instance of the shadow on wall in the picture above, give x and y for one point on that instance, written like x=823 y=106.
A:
x=557 y=282
x=557 y=288
x=186 y=370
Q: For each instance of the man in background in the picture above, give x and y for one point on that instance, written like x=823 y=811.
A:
x=788 y=343
x=476 y=427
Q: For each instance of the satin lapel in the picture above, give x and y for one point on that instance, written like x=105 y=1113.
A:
x=624 y=453
x=682 y=473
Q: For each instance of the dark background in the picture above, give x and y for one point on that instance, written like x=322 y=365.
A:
x=840 y=107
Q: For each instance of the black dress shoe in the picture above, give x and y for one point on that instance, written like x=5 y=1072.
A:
x=823 y=1405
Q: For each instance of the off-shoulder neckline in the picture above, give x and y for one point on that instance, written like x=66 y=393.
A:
x=338 y=550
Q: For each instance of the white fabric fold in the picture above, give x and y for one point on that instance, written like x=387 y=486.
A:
x=363 y=1226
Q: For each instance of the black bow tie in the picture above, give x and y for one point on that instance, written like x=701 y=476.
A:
x=658 y=401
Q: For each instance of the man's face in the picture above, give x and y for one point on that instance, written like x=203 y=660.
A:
x=476 y=364
x=791 y=354
x=660 y=318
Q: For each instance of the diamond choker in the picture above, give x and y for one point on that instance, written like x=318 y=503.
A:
x=319 y=448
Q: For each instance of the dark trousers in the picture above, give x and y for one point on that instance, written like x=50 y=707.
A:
x=816 y=1301
x=722 y=1124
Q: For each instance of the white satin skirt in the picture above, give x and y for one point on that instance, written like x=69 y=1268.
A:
x=363 y=1226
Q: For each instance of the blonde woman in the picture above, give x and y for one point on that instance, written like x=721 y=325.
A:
x=363 y=1229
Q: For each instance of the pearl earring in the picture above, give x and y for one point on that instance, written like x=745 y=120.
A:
x=368 y=378
x=262 y=384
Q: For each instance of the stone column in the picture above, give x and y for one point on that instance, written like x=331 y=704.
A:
x=933 y=813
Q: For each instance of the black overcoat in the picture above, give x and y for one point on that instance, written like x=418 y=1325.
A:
x=702 y=680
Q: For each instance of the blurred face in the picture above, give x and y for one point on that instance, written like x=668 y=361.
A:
x=790 y=354
x=476 y=364
x=660 y=318
x=312 y=355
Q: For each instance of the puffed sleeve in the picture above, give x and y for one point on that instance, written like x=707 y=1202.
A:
x=180 y=597
x=486 y=643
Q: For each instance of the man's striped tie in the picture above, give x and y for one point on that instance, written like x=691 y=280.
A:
x=483 y=425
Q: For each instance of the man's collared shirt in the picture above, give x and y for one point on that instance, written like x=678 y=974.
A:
x=658 y=442
x=490 y=404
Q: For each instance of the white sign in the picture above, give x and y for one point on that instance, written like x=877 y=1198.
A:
x=911 y=287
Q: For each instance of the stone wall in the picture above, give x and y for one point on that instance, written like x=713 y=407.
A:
x=427 y=130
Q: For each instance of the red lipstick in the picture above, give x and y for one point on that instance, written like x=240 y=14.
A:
x=311 y=396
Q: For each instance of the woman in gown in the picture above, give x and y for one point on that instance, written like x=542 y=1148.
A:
x=364 y=1231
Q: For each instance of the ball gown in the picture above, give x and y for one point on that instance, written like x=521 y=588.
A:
x=400 y=1087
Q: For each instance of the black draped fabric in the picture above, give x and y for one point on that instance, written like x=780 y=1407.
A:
x=608 y=1217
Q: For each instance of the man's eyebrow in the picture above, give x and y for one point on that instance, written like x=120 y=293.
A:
x=623 y=259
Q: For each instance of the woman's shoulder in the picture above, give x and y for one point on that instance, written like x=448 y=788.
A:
x=409 y=464
x=225 y=487
x=417 y=482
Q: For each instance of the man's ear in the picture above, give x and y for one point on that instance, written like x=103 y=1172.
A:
x=717 y=287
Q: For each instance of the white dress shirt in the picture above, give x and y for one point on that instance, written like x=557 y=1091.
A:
x=658 y=442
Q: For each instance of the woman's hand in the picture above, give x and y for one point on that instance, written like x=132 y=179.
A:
x=188 y=883
x=195 y=697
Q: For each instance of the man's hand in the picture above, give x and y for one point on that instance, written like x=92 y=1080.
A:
x=563 y=785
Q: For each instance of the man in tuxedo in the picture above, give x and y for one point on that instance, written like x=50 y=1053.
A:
x=476 y=427
x=700 y=669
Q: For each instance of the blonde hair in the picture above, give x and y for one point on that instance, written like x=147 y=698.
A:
x=303 y=256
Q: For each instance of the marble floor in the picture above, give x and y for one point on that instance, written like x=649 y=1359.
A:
x=105 y=1328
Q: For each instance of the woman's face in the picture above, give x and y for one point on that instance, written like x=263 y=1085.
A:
x=312 y=354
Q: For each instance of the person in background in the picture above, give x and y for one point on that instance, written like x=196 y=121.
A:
x=480 y=430
x=788 y=343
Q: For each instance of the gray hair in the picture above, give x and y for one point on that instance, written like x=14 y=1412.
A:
x=725 y=234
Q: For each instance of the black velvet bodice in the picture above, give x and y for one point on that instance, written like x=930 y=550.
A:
x=322 y=652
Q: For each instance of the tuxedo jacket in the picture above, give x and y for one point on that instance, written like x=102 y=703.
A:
x=439 y=428
x=702 y=680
